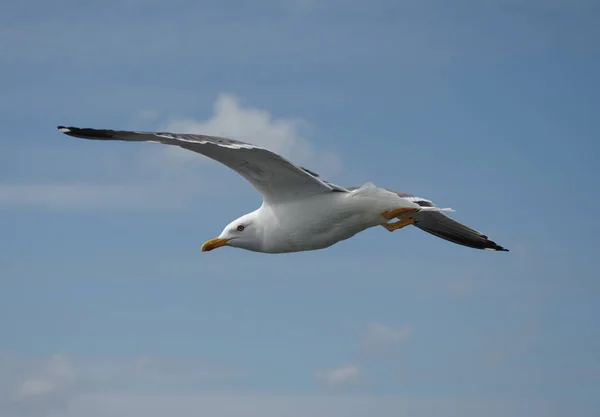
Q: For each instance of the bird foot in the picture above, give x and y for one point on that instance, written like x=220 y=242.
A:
x=390 y=214
x=399 y=224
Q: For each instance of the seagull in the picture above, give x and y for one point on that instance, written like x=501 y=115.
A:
x=300 y=211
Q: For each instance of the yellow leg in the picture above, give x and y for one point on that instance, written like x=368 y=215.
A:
x=390 y=214
x=399 y=224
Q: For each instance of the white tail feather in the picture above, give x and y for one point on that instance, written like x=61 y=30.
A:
x=435 y=209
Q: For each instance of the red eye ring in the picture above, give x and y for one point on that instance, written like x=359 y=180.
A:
x=240 y=228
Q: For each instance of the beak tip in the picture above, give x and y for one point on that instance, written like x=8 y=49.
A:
x=213 y=244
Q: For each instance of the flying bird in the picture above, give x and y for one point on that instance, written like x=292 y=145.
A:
x=300 y=211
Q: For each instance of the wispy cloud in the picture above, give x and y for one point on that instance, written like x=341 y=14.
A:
x=55 y=377
x=63 y=386
x=35 y=386
x=338 y=376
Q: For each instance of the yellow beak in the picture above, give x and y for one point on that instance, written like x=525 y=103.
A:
x=213 y=244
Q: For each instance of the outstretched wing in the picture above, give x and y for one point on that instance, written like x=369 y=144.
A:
x=442 y=226
x=276 y=178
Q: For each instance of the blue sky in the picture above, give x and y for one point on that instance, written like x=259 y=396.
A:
x=107 y=306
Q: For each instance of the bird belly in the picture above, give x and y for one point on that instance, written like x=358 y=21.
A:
x=318 y=223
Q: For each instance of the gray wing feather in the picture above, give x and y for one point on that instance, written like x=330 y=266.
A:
x=273 y=176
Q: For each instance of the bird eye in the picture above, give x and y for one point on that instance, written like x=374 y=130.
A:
x=240 y=228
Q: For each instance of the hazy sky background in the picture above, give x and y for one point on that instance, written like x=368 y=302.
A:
x=107 y=306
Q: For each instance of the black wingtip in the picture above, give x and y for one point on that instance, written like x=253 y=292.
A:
x=495 y=247
x=69 y=131
x=66 y=129
x=87 y=133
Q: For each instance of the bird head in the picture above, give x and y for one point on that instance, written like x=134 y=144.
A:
x=244 y=232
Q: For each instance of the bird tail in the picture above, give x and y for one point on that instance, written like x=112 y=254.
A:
x=434 y=209
x=442 y=226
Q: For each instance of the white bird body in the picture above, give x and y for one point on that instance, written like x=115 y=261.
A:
x=300 y=211
x=319 y=221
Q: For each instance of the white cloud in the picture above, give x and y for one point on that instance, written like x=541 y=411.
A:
x=338 y=376
x=168 y=177
x=257 y=126
x=35 y=386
